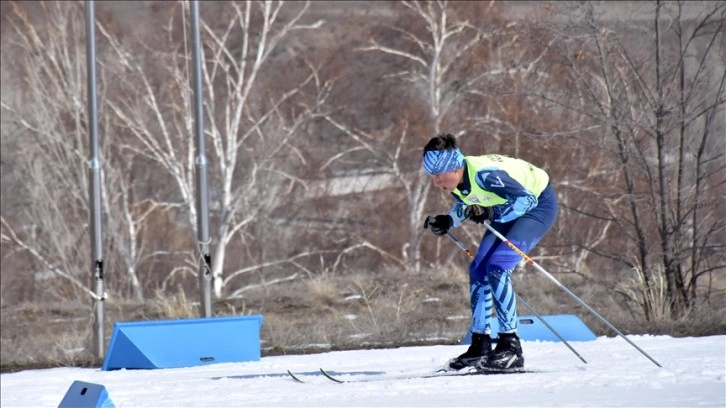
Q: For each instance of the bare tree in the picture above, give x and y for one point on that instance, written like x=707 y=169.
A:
x=251 y=118
x=53 y=168
x=658 y=102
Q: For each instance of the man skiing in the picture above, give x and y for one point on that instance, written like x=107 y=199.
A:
x=518 y=200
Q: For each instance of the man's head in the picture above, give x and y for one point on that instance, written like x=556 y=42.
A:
x=443 y=160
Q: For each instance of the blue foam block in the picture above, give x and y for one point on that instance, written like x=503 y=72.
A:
x=183 y=342
x=86 y=395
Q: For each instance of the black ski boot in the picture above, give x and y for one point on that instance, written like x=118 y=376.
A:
x=481 y=346
x=507 y=354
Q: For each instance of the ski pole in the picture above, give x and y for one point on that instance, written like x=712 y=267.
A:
x=569 y=292
x=519 y=299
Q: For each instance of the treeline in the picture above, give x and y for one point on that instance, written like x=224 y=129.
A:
x=315 y=116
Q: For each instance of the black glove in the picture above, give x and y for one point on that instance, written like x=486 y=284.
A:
x=439 y=224
x=478 y=214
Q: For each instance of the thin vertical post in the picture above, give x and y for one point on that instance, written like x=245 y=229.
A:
x=205 y=260
x=94 y=177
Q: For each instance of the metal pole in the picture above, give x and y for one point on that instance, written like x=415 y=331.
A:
x=94 y=177
x=569 y=292
x=205 y=260
x=519 y=299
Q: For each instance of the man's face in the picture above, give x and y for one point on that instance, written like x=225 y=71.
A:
x=447 y=181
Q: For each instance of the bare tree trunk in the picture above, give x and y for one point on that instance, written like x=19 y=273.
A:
x=657 y=112
x=53 y=57
x=248 y=122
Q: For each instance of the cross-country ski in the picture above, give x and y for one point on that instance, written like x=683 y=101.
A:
x=342 y=377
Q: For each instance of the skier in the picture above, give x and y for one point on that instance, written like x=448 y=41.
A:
x=518 y=200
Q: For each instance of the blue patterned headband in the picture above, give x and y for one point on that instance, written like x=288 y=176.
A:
x=442 y=161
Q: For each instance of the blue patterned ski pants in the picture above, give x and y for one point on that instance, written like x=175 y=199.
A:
x=490 y=281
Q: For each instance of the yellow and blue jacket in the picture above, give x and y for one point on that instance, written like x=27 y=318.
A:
x=507 y=185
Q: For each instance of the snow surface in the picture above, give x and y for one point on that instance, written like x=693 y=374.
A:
x=617 y=375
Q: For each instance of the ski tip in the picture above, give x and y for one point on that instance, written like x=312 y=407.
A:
x=330 y=376
x=295 y=377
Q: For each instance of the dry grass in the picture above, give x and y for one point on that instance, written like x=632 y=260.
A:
x=332 y=312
